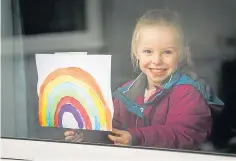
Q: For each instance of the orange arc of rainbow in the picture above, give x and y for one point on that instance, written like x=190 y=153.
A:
x=81 y=75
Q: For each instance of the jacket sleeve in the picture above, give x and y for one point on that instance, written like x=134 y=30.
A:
x=116 y=123
x=188 y=123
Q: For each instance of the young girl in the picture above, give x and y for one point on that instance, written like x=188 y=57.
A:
x=164 y=106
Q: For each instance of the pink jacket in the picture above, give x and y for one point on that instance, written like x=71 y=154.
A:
x=179 y=117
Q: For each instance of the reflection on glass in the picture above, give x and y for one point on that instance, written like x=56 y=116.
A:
x=52 y=16
x=167 y=104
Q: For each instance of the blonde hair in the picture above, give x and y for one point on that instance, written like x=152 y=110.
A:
x=163 y=17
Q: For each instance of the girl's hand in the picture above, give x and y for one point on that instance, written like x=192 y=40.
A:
x=121 y=137
x=74 y=136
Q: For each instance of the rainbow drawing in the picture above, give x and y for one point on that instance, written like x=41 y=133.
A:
x=75 y=91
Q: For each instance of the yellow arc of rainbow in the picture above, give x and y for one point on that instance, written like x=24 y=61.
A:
x=78 y=75
x=51 y=85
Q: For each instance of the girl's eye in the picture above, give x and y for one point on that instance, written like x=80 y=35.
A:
x=167 y=52
x=147 y=51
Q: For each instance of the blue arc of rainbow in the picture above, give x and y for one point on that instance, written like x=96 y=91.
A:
x=76 y=91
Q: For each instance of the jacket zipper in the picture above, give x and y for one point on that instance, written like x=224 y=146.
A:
x=141 y=109
x=137 y=122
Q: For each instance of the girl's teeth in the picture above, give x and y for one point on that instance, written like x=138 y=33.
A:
x=157 y=70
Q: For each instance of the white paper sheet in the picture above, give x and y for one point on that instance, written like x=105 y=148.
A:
x=99 y=66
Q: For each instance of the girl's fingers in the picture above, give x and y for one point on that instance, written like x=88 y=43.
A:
x=78 y=139
x=80 y=134
x=116 y=139
x=69 y=138
x=74 y=136
x=112 y=138
x=69 y=133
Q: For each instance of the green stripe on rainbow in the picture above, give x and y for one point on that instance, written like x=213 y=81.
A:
x=94 y=107
x=81 y=86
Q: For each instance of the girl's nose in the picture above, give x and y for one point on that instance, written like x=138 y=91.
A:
x=157 y=59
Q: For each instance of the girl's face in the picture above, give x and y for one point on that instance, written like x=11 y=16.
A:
x=157 y=53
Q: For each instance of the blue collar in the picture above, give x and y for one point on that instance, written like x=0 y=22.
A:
x=128 y=94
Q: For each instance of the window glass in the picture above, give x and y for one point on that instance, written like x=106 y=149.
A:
x=170 y=82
